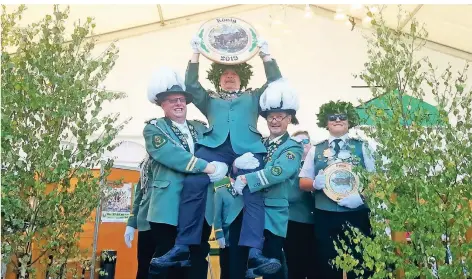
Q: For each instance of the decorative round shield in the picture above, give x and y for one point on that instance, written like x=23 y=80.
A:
x=228 y=40
x=340 y=181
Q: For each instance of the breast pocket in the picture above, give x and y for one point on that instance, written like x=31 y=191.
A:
x=161 y=184
x=270 y=202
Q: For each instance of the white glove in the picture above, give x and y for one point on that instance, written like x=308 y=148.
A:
x=263 y=46
x=221 y=169
x=194 y=43
x=129 y=236
x=238 y=186
x=320 y=181
x=352 y=201
x=221 y=242
x=247 y=161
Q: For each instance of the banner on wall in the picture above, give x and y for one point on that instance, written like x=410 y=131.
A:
x=117 y=205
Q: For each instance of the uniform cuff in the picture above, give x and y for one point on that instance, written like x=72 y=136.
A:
x=254 y=181
x=200 y=165
x=132 y=222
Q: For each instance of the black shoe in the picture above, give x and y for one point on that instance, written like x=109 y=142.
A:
x=260 y=266
x=177 y=256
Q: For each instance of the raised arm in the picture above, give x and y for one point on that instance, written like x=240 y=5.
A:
x=200 y=95
x=271 y=68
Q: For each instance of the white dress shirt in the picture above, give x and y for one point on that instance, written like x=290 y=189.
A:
x=276 y=139
x=188 y=136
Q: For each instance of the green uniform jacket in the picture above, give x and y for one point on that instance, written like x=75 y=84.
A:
x=137 y=218
x=274 y=181
x=170 y=163
x=301 y=204
x=237 y=117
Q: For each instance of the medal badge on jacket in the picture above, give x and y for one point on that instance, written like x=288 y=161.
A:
x=341 y=181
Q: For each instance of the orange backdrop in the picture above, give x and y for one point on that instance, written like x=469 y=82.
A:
x=110 y=235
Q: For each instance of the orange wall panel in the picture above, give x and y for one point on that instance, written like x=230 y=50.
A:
x=110 y=235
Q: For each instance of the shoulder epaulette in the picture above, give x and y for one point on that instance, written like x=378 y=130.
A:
x=299 y=140
x=357 y=138
x=151 y=121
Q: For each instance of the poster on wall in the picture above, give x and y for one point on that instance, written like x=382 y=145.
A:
x=116 y=207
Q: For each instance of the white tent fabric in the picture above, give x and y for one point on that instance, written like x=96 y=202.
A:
x=128 y=155
x=448 y=25
x=317 y=54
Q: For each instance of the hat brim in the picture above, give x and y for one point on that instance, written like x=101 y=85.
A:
x=161 y=97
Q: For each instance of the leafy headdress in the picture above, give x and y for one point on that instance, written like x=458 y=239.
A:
x=244 y=71
x=336 y=108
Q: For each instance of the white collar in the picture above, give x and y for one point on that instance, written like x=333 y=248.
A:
x=343 y=138
x=276 y=139
x=178 y=125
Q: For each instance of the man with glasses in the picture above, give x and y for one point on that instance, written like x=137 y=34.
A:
x=282 y=163
x=299 y=244
x=171 y=143
x=232 y=114
x=330 y=217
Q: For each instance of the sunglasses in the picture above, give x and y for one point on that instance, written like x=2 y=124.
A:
x=334 y=117
x=305 y=141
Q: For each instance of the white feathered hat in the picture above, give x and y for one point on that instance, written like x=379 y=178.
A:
x=277 y=97
x=164 y=82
